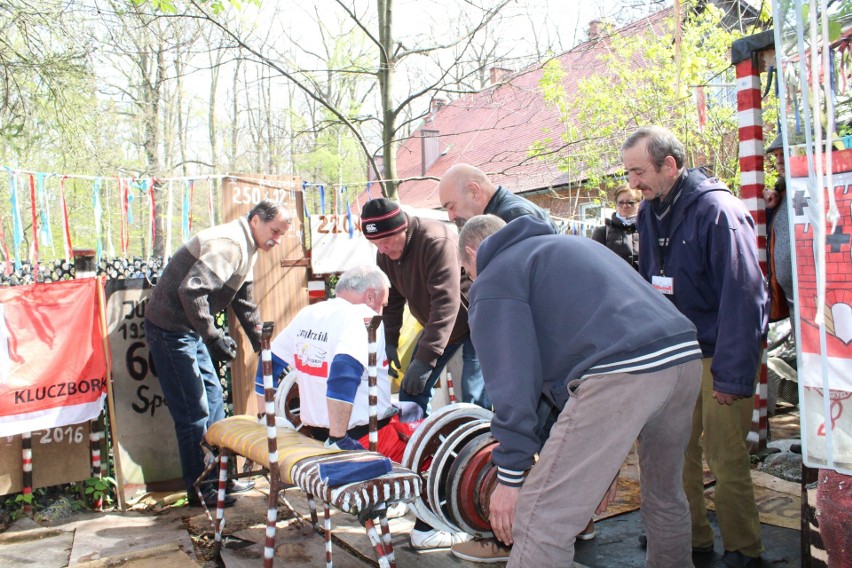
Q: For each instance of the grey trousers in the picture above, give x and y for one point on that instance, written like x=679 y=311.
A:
x=587 y=446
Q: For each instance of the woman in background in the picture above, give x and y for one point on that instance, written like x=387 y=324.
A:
x=618 y=233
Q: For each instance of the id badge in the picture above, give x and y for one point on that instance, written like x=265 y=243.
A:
x=664 y=284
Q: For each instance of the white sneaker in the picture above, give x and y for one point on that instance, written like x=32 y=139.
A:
x=397 y=510
x=435 y=539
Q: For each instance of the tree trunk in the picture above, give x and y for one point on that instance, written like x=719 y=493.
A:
x=390 y=183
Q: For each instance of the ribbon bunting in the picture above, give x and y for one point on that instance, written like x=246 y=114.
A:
x=96 y=193
x=7 y=262
x=305 y=201
x=153 y=215
x=130 y=197
x=123 y=198
x=189 y=205
x=66 y=230
x=168 y=223
x=17 y=225
x=34 y=214
x=187 y=221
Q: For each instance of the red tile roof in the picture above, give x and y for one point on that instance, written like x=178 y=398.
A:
x=494 y=129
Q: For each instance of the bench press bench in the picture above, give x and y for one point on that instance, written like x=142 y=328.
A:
x=293 y=459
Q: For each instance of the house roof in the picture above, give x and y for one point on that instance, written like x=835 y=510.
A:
x=496 y=128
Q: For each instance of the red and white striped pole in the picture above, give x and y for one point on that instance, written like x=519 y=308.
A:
x=27 y=469
x=750 y=121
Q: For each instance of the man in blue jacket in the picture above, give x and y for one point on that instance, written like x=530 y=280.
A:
x=557 y=316
x=698 y=247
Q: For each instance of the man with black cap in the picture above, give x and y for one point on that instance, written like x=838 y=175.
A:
x=420 y=258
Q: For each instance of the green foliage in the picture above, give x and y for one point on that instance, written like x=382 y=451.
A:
x=645 y=81
x=97 y=488
x=24 y=499
x=170 y=7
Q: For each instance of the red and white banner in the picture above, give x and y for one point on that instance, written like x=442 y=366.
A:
x=52 y=356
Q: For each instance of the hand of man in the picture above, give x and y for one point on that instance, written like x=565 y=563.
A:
x=416 y=376
x=501 y=511
x=392 y=355
x=725 y=398
x=223 y=348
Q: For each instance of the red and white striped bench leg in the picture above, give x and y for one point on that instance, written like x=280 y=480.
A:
x=327 y=526
x=382 y=511
x=376 y=543
x=220 y=504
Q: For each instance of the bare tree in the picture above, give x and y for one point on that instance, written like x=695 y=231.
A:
x=389 y=55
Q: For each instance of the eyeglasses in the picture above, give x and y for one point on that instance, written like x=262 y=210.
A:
x=626 y=203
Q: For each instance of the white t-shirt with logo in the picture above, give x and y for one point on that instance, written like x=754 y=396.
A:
x=310 y=343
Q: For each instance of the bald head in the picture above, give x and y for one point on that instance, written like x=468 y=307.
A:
x=464 y=192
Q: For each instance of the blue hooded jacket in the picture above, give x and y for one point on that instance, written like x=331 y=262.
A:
x=547 y=309
x=718 y=284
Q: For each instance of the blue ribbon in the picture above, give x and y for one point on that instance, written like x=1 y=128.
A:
x=17 y=226
x=185 y=217
x=96 y=191
x=130 y=199
x=305 y=199
x=349 y=218
x=44 y=232
x=322 y=199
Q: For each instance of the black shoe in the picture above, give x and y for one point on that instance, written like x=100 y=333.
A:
x=211 y=499
x=737 y=559
x=703 y=550
x=237 y=486
x=643 y=540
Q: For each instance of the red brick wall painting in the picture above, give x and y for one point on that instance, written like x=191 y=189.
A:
x=835 y=370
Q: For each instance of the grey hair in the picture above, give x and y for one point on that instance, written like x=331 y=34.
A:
x=661 y=143
x=269 y=210
x=362 y=278
x=476 y=230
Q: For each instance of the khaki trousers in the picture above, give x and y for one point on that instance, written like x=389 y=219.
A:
x=724 y=443
x=588 y=443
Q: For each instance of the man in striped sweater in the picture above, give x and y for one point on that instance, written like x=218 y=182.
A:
x=560 y=316
x=211 y=271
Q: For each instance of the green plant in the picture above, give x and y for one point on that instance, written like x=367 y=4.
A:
x=98 y=488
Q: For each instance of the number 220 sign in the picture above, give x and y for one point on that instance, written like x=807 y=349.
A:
x=337 y=244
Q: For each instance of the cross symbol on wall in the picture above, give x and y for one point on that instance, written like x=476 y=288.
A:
x=799 y=202
x=837 y=239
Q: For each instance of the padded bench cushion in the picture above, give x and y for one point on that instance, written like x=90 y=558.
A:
x=299 y=458
x=401 y=484
x=244 y=436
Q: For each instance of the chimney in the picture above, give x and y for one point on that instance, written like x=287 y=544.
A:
x=499 y=74
x=437 y=104
x=595 y=29
x=430 y=150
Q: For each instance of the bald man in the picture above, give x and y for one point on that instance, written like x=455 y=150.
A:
x=465 y=191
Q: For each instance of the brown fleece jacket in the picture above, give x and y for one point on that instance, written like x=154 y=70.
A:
x=427 y=276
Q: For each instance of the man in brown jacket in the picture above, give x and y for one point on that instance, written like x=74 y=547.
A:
x=421 y=260
x=419 y=256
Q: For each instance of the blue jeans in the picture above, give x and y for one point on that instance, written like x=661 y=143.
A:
x=192 y=391
x=472 y=383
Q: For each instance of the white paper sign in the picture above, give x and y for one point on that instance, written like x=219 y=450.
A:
x=336 y=248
